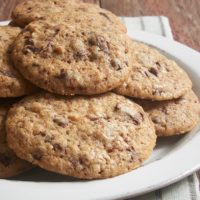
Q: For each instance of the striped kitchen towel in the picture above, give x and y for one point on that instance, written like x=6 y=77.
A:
x=188 y=188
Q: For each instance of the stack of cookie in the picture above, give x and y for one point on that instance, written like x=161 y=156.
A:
x=66 y=57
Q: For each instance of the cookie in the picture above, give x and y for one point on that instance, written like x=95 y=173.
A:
x=12 y=84
x=84 y=137
x=174 y=117
x=29 y=11
x=72 y=58
x=10 y=164
x=153 y=75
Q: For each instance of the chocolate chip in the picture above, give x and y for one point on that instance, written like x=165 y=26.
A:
x=56 y=29
x=7 y=73
x=49 y=138
x=41 y=18
x=60 y=121
x=133 y=156
x=111 y=150
x=37 y=154
x=9 y=50
x=92 y=41
x=158 y=64
x=155 y=120
x=25 y=51
x=126 y=63
x=62 y=75
x=47 y=50
x=93 y=56
x=29 y=41
x=153 y=71
x=35 y=65
x=30 y=48
x=102 y=44
x=81 y=161
x=146 y=74
x=157 y=91
x=164 y=110
x=94 y=118
x=74 y=162
x=99 y=41
x=116 y=64
x=5 y=160
x=43 y=134
x=130 y=149
x=80 y=55
x=34 y=49
x=104 y=15
x=57 y=147
x=138 y=118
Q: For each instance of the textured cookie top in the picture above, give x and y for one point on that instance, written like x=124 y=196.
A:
x=10 y=165
x=69 y=58
x=85 y=137
x=32 y=10
x=174 y=117
x=153 y=75
x=94 y=12
x=11 y=82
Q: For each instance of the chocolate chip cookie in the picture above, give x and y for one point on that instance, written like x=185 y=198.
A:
x=84 y=137
x=12 y=84
x=153 y=75
x=65 y=10
x=28 y=11
x=174 y=117
x=10 y=164
x=72 y=58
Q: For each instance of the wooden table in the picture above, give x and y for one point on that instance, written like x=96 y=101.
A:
x=184 y=15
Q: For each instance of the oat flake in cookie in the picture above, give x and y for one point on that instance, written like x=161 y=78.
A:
x=84 y=137
x=12 y=84
x=10 y=164
x=173 y=117
x=72 y=58
x=153 y=75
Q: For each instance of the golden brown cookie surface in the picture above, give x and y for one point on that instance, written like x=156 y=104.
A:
x=174 y=117
x=10 y=164
x=12 y=84
x=32 y=10
x=84 y=137
x=153 y=76
x=72 y=58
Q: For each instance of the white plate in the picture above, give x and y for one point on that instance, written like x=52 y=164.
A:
x=172 y=159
